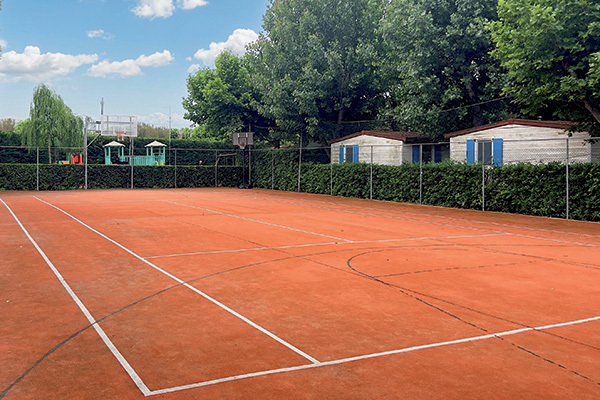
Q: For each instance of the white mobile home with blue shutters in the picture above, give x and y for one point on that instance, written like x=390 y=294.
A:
x=518 y=140
x=387 y=148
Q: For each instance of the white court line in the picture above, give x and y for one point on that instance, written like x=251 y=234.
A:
x=280 y=199
x=368 y=356
x=134 y=376
x=258 y=221
x=183 y=283
x=296 y=246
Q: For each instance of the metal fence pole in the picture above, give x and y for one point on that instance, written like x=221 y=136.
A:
x=37 y=169
x=567 y=178
x=216 y=168
x=272 y=169
x=482 y=185
x=420 y=174
x=175 y=168
x=300 y=164
x=371 y=177
x=131 y=158
x=330 y=172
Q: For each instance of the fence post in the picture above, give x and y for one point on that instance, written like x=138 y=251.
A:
x=216 y=168
x=300 y=163
x=482 y=185
x=420 y=174
x=175 y=168
x=272 y=169
x=371 y=177
x=37 y=169
x=330 y=172
x=567 y=178
x=249 y=166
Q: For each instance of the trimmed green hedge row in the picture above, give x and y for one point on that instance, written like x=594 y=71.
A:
x=61 y=177
x=520 y=189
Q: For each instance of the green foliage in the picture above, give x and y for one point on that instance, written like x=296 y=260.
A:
x=7 y=125
x=551 y=51
x=62 y=177
x=439 y=52
x=51 y=123
x=151 y=131
x=531 y=189
x=220 y=101
x=316 y=66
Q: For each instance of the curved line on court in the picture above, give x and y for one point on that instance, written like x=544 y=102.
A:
x=411 y=293
x=135 y=303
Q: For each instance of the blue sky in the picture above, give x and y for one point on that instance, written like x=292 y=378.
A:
x=136 y=54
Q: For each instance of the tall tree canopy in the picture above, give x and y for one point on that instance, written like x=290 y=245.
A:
x=51 y=122
x=439 y=50
x=316 y=64
x=220 y=101
x=551 y=49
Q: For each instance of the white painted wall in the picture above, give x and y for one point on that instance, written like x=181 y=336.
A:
x=385 y=151
x=523 y=143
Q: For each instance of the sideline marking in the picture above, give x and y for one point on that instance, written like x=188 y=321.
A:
x=398 y=215
x=183 y=283
x=134 y=376
x=258 y=221
x=367 y=356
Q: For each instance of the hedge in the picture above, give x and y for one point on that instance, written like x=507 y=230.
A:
x=62 y=177
x=531 y=189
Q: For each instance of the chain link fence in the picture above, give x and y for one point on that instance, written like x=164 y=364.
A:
x=556 y=178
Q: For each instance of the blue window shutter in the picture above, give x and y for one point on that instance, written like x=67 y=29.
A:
x=437 y=153
x=341 y=154
x=416 y=154
x=470 y=151
x=497 y=152
x=355 y=154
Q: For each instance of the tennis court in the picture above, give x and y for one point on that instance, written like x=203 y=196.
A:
x=225 y=293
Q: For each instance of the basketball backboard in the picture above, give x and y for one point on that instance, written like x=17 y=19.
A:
x=243 y=139
x=118 y=125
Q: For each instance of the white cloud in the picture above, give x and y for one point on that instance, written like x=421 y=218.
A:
x=160 y=119
x=3 y=43
x=34 y=66
x=99 y=33
x=152 y=9
x=127 y=68
x=155 y=60
x=124 y=69
x=194 y=68
x=236 y=44
x=191 y=4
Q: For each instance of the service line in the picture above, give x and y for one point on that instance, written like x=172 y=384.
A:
x=368 y=356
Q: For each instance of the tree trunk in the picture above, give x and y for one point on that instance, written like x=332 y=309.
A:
x=592 y=109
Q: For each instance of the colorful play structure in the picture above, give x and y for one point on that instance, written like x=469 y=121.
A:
x=114 y=153
x=72 y=158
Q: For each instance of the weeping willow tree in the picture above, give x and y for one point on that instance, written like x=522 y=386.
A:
x=51 y=123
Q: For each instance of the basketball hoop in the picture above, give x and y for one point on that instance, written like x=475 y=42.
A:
x=120 y=136
x=242 y=142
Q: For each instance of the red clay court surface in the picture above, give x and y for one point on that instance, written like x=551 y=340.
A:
x=242 y=294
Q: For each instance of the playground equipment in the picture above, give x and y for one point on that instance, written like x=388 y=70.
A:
x=155 y=154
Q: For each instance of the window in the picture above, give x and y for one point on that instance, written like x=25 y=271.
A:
x=349 y=153
x=485 y=151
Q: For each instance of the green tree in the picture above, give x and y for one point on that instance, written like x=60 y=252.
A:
x=7 y=125
x=551 y=49
x=221 y=100
x=150 y=131
x=51 y=122
x=439 y=52
x=315 y=65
